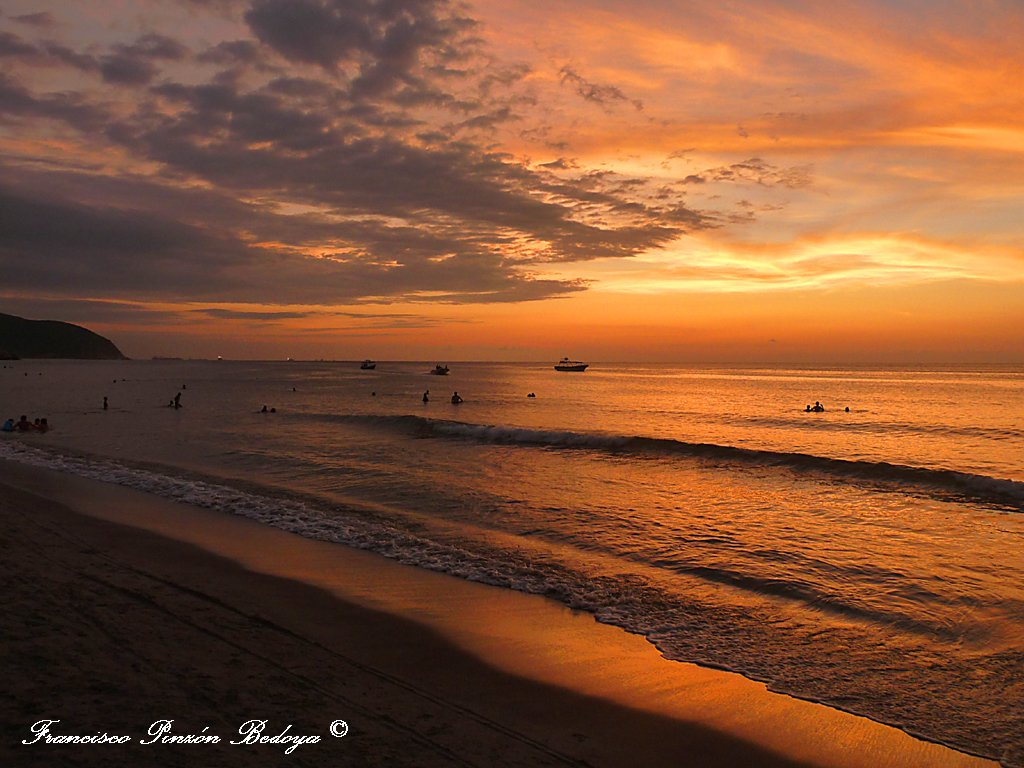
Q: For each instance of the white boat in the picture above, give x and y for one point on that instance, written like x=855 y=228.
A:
x=565 y=364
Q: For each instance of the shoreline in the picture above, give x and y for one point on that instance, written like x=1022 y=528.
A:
x=440 y=671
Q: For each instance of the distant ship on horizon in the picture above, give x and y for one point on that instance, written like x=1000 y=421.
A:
x=565 y=364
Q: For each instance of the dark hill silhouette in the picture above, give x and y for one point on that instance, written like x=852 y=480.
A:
x=51 y=338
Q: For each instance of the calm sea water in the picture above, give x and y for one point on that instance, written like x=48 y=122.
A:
x=871 y=559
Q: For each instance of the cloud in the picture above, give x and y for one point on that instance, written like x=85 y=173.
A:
x=387 y=42
x=755 y=171
x=561 y=164
x=604 y=95
x=43 y=19
x=67 y=107
x=86 y=310
x=135 y=64
x=233 y=314
x=114 y=252
x=12 y=45
x=346 y=153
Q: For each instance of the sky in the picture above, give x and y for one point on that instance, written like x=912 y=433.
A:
x=701 y=181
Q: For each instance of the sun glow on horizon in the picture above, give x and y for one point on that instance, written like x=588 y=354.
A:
x=229 y=175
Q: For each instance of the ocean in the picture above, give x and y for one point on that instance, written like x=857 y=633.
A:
x=871 y=559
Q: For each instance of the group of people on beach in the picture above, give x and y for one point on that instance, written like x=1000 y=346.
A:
x=24 y=425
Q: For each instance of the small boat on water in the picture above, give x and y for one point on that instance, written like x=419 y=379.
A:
x=367 y=365
x=440 y=370
x=565 y=364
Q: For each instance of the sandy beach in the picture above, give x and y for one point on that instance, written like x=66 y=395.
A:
x=111 y=628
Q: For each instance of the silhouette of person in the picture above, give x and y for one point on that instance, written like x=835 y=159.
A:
x=426 y=396
x=455 y=398
x=264 y=409
x=177 y=400
x=105 y=406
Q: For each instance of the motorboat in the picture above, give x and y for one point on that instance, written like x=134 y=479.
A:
x=565 y=364
x=440 y=370
x=367 y=365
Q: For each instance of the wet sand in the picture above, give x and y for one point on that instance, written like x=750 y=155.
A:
x=121 y=609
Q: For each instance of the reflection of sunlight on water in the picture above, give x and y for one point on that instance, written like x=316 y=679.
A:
x=831 y=585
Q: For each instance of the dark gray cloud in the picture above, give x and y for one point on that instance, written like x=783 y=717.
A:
x=12 y=45
x=127 y=70
x=386 y=40
x=108 y=251
x=604 y=95
x=136 y=64
x=43 y=19
x=45 y=54
x=115 y=252
x=231 y=52
x=364 y=320
x=16 y=101
x=561 y=164
x=234 y=314
x=345 y=154
x=755 y=171
x=85 y=310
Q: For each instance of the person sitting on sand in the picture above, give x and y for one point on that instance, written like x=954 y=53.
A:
x=455 y=398
x=8 y=425
x=24 y=425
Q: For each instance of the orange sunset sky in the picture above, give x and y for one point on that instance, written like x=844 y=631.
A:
x=405 y=179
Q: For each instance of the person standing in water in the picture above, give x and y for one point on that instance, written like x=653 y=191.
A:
x=105 y=404
x=426 y=396
x=455 y=398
